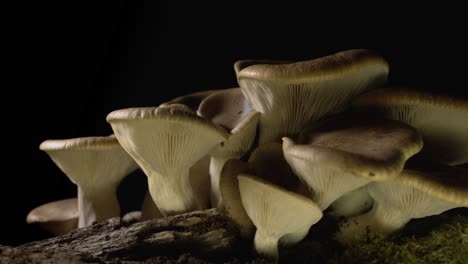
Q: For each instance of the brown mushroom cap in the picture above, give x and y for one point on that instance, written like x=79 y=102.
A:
x=290 y=96
x=342 y=154
x=442 y=121
x=58 y=218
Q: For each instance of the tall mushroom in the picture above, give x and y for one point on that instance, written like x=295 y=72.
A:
x=343 y=153
x=414 y=194
x=58 y=218
x=230 y=110
x=281 y=217
x=96 y=165
x=442 y=121
x=166 y=142
x=291 y=95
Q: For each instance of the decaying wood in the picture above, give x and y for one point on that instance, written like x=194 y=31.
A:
x=207 y=234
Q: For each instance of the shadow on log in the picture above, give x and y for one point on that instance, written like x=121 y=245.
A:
x=205 y=234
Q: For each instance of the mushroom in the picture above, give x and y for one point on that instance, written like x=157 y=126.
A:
x=354 y=203
x=281 y=216
x=96 y=165
x=58 y=218
x=442 y=121
x=292 y=95
x=192 y=100
x=343 y=153
x=266 y=162
x=132 y=217
x=230 y=110
x=166 y=142
x=229 y=191
x=414 y=194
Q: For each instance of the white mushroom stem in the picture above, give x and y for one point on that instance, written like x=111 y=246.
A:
x=216 y=165
x=96 y=204
x=168 y=186
x=394 y=206
x=266 y=245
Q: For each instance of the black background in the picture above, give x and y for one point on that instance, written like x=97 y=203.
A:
x=74 y=62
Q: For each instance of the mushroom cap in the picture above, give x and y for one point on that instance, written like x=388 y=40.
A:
x=160 y=137
x=230 y=110
x=442 y=121
x=58 y=217
x=226 y=108
x=290 y=96
x=57 y=211
x=241 y=64
x=90 y=161
x=370 y=149
x=325 y=68
x=275 y=211
x=449 y=184
x=192 y=100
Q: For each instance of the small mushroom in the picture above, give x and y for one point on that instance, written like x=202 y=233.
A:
x=192 y=100
x=96 y=165
x=354 y=203
x=266 y=162
x=414 y=194
x=58 y=218
x=281 y=216
x=442 y=121
x=166 y=142
x=132 y=217
x=341 y=154
x=292 y=95
x=230 y=110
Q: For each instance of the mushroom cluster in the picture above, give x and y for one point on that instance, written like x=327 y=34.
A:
x=295 y=139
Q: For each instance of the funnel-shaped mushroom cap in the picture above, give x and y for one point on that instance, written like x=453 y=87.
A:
x=230 y=110
x=229 y=190
x=290 y=96
x=442 y=121
x=414 y=194
x=90 y=161
x=192 y=100
x=58 y=218
x=343 y=154
x=166 y=142
x=279 y=215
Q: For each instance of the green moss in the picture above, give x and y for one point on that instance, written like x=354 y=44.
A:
x=439 y=239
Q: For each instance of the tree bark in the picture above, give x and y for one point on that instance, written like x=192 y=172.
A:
x=204 y=234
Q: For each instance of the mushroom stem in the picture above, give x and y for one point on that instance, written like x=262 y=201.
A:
x=266 y=246
x=97 y=204
x=149 y=210
x=216 y=165
x=168 y=186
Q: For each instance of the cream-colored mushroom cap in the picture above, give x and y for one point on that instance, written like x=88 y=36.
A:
x=58 y=218
x=414 y=194
x=96 y=165
x=280 y=216
x=442 y=121
x=230 y=110
x=90 y=161
x=166 y=142
x=342 y=154
x=292 y=95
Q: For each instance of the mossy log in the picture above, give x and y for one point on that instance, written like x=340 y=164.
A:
x=206 y=234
